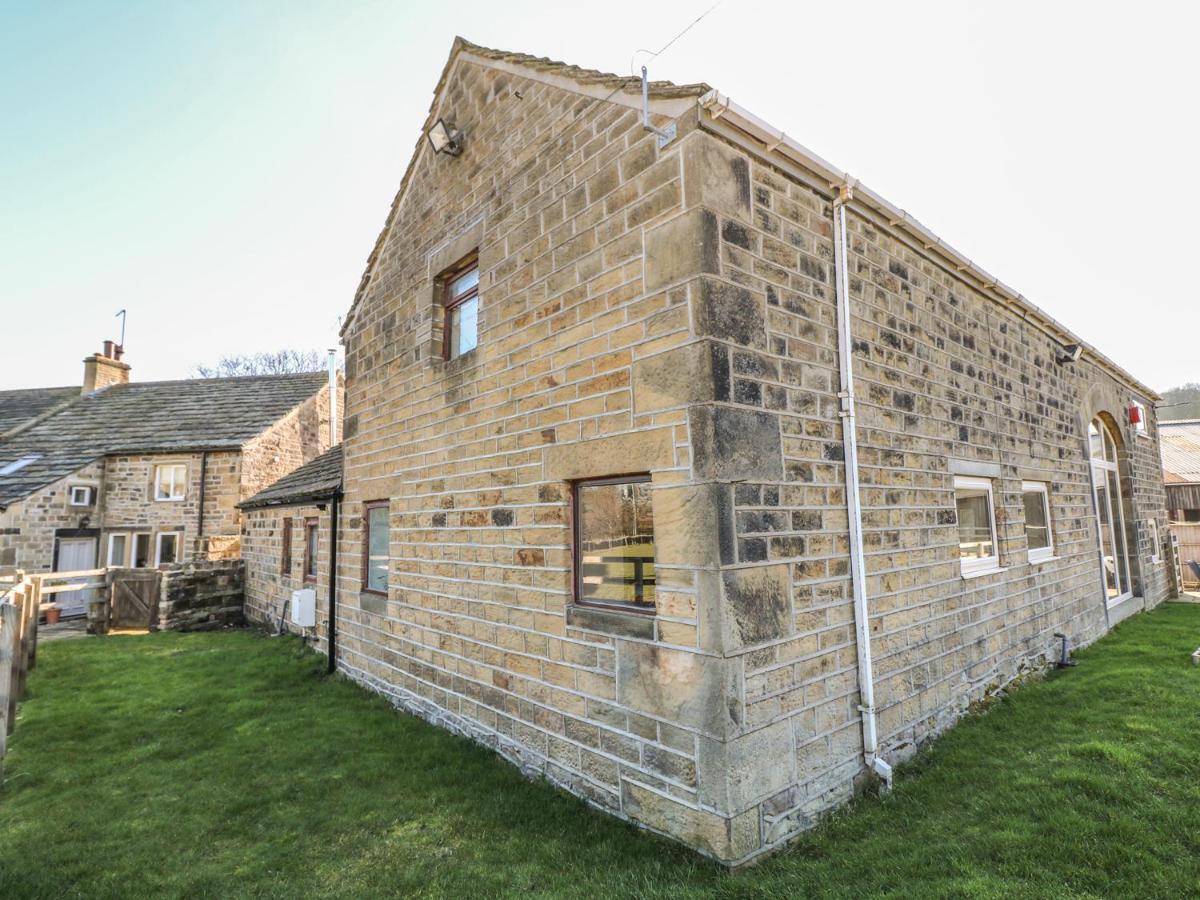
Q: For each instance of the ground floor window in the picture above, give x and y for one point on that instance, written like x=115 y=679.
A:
x=285 y=546
x=1035 y=496
x=613 y=552
x=1155 y=551
x=117 y=549
x=977 y=545
x=141 y=551
x=310 y=549
x=376 y=547
x=167 y=551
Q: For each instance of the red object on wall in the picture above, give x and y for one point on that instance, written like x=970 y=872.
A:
x=1135 y=415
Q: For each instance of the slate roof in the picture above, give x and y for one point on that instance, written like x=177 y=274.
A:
x=19 y=408
x=150 y=417
x=1180 y=443
x=318 y=479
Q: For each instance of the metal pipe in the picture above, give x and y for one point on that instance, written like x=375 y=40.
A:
x=858 y=569
x=200 y=511
x=333 y=404
x=333 y=550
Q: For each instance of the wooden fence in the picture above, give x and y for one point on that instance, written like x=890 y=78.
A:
x=20 y=598
x=1188 y=535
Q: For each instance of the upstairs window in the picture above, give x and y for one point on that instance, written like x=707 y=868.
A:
x=81 y=495
x=1139 y=426
x=1038 y=534
x=376 y=547
x=170 y=482
x=977 y=548
x=460 y=332
x=614 y=543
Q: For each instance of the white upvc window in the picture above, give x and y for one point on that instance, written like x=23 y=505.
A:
x=977 y=545
x=141 y=550
x=170 y=482
x=1039 y=530
x=1155 y=547
x=118 y=545
x=166 y=548
x=81 y=495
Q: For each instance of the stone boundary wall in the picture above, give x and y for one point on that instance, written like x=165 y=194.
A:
x=202 y=596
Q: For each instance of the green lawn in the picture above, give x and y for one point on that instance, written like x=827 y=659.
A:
x=228 y=765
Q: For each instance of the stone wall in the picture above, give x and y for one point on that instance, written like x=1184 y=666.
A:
x=28 y=527
x=300 y=437
x=671 y=311
x=129 y=505
x=202 y=596
x=268 y=584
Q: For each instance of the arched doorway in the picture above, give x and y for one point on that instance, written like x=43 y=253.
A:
x=1110 y=514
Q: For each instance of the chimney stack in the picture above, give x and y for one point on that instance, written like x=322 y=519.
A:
x=105 y=368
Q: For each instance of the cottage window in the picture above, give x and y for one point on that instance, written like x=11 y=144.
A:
x=376 y=547
x=117 y=549
x=614 y=542
x=1038 y=532
x=81 y=495
x=141 y=551
x=1155 y=547
x=1140 y=426
x=167 y=550
x=977 y=545
x=285 y=546
x=460 y=333
x=310 y=550
x=170 y=482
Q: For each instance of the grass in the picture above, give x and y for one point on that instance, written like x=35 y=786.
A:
x=228 y=765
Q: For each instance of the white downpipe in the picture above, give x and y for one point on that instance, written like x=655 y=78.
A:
x=858 y=569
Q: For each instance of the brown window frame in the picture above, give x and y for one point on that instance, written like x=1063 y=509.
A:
x=449 y=304
x=311 y=530
x=366 y=545
x=285 y=553
x=577 y=542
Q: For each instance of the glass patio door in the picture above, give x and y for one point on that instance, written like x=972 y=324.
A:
x=1106 y=484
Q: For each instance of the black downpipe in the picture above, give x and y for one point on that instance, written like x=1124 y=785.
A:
x=200 y=512
x=333 y=550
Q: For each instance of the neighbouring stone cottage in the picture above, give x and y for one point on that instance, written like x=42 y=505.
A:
x=600 y=510
x=145 y=474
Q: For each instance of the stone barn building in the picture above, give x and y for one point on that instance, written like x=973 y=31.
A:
x=694 y=476
x=145 y=474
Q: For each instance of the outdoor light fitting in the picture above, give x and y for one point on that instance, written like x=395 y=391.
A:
x=444 y=138
x=1070 y=353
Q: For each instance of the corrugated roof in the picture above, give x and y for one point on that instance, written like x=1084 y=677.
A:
x=315 y=480
x=21 y=407
x=1180 y=442
x=147 y=417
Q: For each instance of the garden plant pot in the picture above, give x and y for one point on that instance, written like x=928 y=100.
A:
x=52 y=615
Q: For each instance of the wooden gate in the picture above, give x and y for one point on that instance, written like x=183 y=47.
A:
x=135 y=598
x=1189 y=552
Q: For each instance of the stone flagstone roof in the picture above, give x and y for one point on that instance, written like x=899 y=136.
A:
x=19 y=408
x=318 y=479
x=150 y=417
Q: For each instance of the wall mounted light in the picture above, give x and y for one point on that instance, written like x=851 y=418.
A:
x=445 y=138
x=1070 y=353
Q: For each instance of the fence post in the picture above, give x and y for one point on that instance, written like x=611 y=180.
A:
x=22 y=649
x=35 y=587
x=9 y=625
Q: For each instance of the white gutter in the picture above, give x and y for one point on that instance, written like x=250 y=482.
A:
x=858 y=568
x=722 y=109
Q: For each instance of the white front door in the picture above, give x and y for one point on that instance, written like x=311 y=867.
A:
x=75 y=555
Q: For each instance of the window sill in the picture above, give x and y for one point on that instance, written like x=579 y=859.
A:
x=980 y=573
x=1042 y=560
x=169 y=499
x=372 y=602
x=617 y=622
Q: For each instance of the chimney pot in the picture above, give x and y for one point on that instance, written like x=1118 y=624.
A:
x=107 y=353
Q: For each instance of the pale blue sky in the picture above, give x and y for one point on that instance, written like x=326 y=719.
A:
x=222 y=169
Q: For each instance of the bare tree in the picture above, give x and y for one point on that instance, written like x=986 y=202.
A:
x=279 y=362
